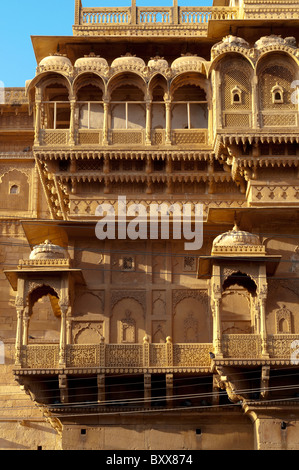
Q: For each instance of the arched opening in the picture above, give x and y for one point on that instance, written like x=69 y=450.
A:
x=239 y=292
x=189 y=104
x=127 y=102
x=55 y=111
x=89 y=98
x=158 y=89
x=276 y=74
x=44 y=316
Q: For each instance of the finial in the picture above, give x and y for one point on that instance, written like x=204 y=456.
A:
x=236 y=227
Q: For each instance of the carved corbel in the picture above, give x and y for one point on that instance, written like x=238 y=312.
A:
x=265 y=378
x=224 y=382
x=63 y=387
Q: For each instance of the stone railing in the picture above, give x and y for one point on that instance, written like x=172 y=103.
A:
x=87 y=137
x=118 y=356
x=150 y=356
x=153 y=15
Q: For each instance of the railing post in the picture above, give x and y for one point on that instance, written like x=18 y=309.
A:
x=133 y=12
x=175 y=12
x=78 y=6
x=146 y=359
x=102 y=353
x=169 y=352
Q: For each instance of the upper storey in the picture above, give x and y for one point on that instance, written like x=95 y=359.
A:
x=178 y=21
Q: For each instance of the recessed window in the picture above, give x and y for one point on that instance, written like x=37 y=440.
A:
x=14 y=189
x=277 y=94
x=236 y=95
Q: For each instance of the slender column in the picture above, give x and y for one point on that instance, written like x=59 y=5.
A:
x=37 y=121
x=217 y=329
x=62 y=344
x=19 y=336
x=148 y=124
x=262 y=302
x=69 y=331
x=168 y=122
x=25 y=327
x=72 y=123
x=105 y=122
x=255 y=107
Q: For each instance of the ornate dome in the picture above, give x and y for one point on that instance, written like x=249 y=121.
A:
x=128 y=61
x=188 y=62
x=236 y=237
x=55 y=61
x=91 y=62
x=158 y=63
x=48 y=251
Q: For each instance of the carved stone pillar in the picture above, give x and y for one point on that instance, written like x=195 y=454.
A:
x=20 y=311
x=62 y=344
x=72 y=123
x=262 y=302
x=217 y=329
x=25 y=327
x=69 y=331
x=168 y=122
x=148 y=124
x=255 y=107
x=105 y=123
x=37 y=122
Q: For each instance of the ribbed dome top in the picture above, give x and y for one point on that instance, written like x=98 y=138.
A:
x=48 y=250
x=129 y=61
x=56 y=61
x=236 y=237
x=91 y=62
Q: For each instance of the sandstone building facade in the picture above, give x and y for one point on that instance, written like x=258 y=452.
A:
x=140 y=343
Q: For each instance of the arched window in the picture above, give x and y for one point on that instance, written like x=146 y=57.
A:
x=14 y=189
x=277 y=94
x=236 y=95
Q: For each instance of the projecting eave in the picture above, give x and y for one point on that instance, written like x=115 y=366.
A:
x=75 y=47
x=13 y=275
x=205 y=263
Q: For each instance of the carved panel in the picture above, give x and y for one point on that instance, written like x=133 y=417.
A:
x=83 y=355
x=241 y=346
x=117 y=356
x=40 y=356
x=191 y=355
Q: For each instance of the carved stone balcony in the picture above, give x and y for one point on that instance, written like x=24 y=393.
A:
x=119 y=357
x=164 y=357
x=55 y=138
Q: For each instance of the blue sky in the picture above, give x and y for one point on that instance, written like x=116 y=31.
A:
x=21 y=19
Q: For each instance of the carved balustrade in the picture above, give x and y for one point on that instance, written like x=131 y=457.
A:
x=195 y=356
x=153 y=15
x=86 y=137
